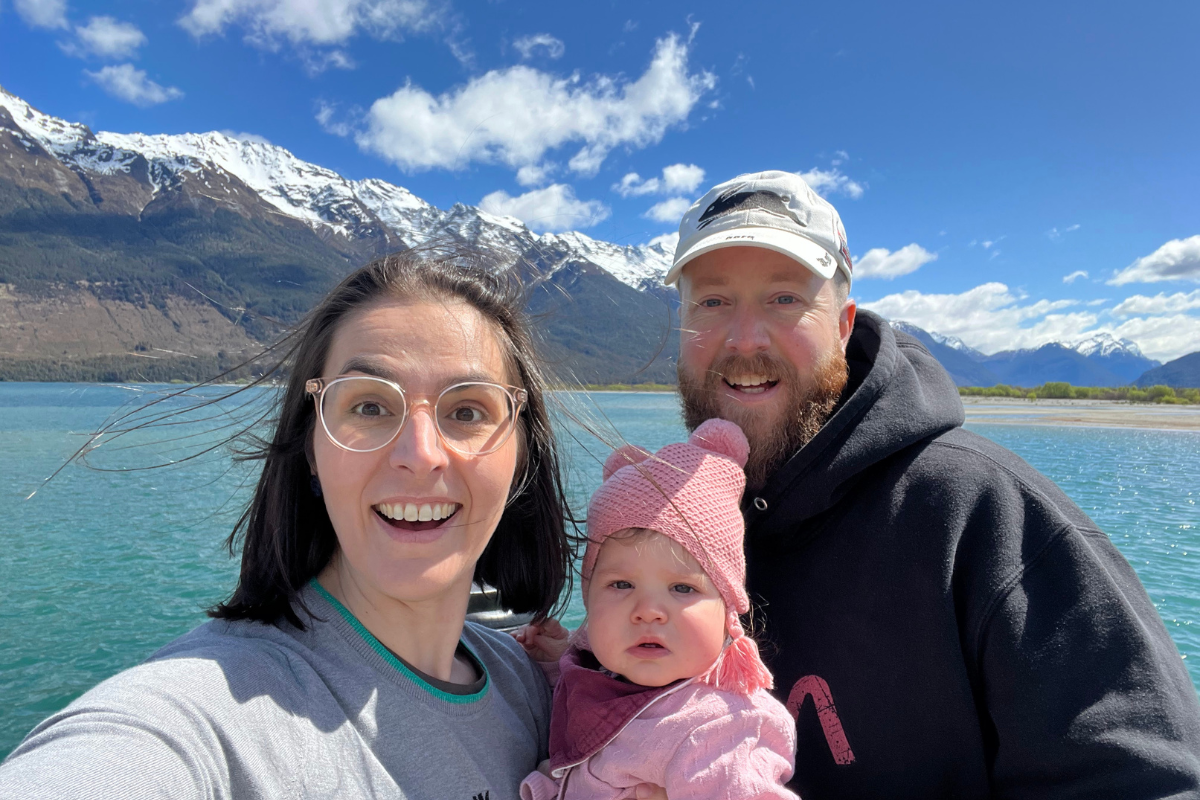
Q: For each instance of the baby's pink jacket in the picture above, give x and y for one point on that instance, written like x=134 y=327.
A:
x=607 y=736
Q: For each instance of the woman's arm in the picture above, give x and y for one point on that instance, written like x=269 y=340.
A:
x=102 y=754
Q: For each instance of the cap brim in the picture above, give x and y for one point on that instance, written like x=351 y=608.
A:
x=798 y=248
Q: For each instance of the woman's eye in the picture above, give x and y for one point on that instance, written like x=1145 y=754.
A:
x=683 y=588
x=466 y=414
x=370 y=409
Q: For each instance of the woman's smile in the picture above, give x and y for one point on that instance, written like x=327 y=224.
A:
x=413 y=516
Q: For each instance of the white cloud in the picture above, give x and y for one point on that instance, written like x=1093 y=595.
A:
x=42 y=13
x=991 y=318
x=243 y=136
x=534 y=174
x=1177 y=260
x=527 y=44
x=554 y=208
x=1074 y=276
x=105 y=37
x=124 y=82
x=839 y=157
x=988 y=317
x=831 y=181
x=1163 y=338
x=325 y=118
x=671 y=210
x=1056 y=234
x=880 y=263
x=515 y=115
x=667 y=242
x=676 y=178
x=313 y=22
x=1161 y=303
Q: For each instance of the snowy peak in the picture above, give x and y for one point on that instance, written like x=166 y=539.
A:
x=371 y=210
x=953 y=342
x=633 y=265
x=1104 y=345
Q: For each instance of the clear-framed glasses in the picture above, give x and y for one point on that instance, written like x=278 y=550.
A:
x=362 y=414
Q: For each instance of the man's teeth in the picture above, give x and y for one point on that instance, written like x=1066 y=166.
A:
x=411 y=512
x=750 y=383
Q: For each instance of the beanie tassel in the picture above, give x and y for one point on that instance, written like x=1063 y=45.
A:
x=739 y=667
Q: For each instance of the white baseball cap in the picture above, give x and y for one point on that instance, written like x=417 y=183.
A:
x=776 y=210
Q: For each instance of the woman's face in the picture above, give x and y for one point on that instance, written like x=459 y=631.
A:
x=424 y=346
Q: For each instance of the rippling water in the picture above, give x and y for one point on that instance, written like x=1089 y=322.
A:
x=102 y=568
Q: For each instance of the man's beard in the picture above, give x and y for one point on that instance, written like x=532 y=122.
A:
x=772 y=441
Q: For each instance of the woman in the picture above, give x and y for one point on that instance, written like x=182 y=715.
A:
x=412 y=455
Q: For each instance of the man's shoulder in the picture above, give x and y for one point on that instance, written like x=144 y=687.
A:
x=959 y=466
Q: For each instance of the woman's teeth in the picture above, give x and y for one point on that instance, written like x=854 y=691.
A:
x=412 y=512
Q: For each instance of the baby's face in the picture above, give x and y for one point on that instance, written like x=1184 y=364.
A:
x=653 y=615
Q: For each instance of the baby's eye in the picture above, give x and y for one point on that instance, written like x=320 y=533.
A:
x=621 y=585
x=683 y=588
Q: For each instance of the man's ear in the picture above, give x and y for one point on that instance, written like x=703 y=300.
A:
x=846 y=322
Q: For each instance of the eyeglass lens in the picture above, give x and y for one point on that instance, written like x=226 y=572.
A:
x=366 y=413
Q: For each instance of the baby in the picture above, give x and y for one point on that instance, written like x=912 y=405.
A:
x=660 y=684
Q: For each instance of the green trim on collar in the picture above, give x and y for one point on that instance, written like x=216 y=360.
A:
x=396 y=663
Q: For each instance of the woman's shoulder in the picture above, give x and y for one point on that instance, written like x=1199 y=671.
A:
x=217 y=663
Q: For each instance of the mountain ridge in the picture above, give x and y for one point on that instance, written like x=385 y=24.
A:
x=151 y=232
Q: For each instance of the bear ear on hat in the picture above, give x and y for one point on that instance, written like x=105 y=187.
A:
x=722 y=437
x=622 y=457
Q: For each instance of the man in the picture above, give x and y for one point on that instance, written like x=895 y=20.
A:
x=940 y=618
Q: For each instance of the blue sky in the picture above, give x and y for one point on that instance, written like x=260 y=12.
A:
x=1010 y=175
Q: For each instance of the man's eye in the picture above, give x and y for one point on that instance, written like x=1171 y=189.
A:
x=787 y=299
x=711 y=302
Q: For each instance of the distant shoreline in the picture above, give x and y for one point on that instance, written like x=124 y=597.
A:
x=1081 y=413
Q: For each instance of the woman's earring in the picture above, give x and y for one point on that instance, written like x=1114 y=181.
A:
x=314 y=483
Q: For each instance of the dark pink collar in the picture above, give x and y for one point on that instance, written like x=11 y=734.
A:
x=591 y=707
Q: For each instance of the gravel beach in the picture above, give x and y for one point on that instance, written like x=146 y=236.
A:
x=1085 y=413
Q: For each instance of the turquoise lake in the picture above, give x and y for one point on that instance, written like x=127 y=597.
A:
x=100 y=568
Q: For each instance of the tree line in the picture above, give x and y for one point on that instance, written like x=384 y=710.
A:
x=1060 y=390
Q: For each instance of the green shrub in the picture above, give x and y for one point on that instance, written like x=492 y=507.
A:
x=1031 y=396
x=1137 y=396
x=1055 y=390
x=1159 y=392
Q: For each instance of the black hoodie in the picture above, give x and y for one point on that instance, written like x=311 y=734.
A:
x=945 y=622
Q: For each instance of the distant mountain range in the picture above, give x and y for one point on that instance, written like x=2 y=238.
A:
x=126 y=256
x=1098 y=360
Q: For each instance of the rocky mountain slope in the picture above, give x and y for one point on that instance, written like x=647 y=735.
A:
x=1183 y=372
x=242 y=234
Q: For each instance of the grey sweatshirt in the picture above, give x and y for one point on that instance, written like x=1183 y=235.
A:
x=243 y=709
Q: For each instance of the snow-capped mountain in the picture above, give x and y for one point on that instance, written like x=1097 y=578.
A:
x=1105 y=345
x=1097 y=360
x=223 y=168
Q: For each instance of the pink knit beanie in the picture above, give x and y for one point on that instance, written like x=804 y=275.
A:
x=689 y=492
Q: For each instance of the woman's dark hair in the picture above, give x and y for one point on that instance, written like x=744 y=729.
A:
x=285 y=534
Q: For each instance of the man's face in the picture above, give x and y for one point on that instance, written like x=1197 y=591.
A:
x=763 y=345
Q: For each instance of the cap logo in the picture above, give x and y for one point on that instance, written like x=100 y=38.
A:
x=735 y=200
x=826 y=260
